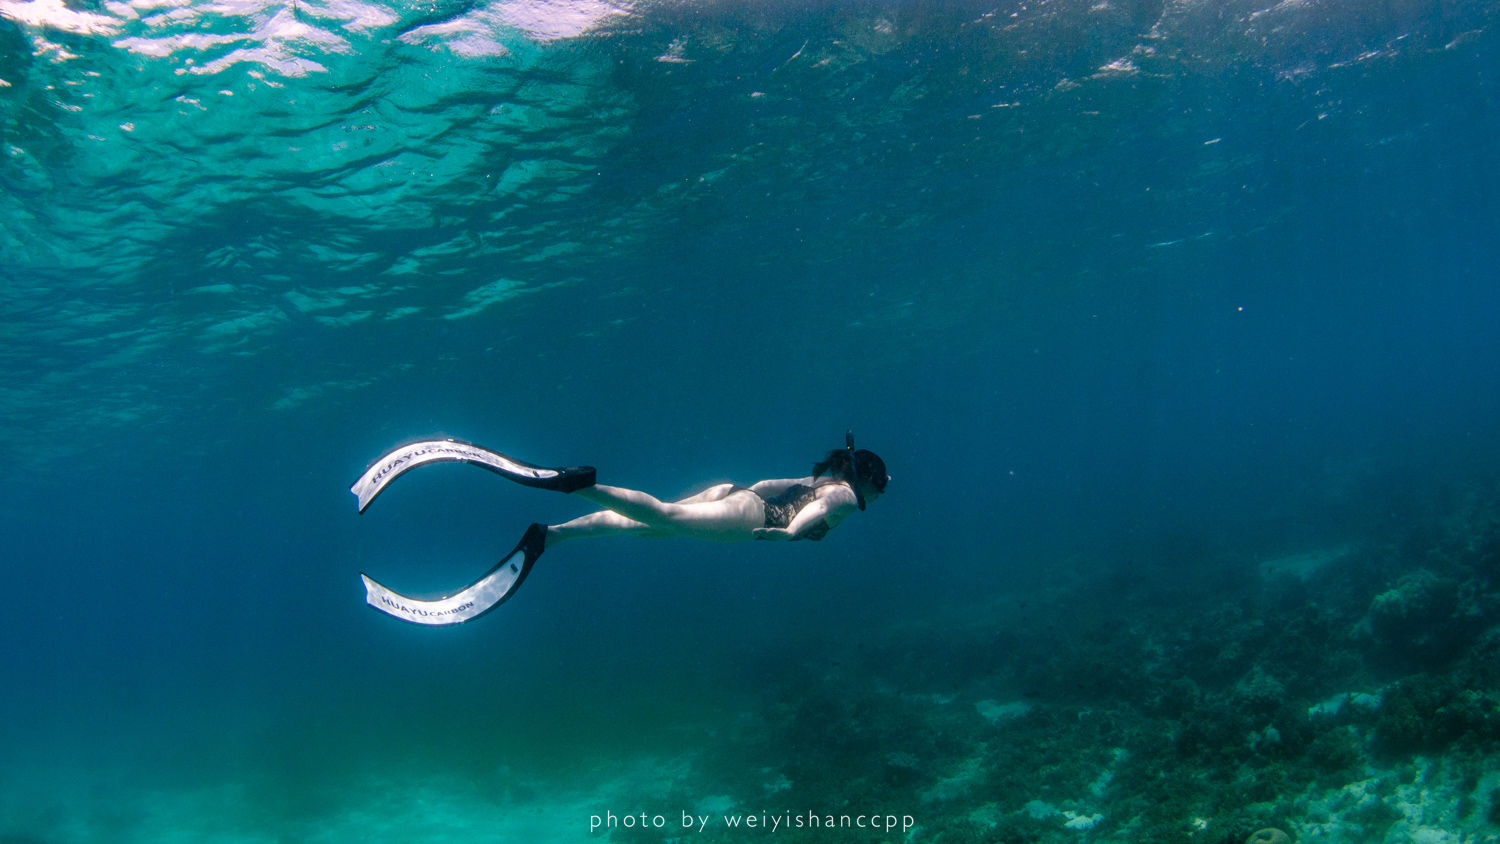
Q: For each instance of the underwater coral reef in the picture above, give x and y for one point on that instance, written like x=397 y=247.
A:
x=1343 y=694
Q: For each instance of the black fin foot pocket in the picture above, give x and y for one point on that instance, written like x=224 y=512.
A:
x=569 y=479
x=534 y=542
x=576 y=478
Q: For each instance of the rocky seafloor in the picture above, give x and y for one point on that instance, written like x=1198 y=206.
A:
x=1349 y=692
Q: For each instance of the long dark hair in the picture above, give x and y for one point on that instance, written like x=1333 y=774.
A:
x=853 y=465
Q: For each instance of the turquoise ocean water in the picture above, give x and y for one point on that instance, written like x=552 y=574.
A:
x=1175 y=323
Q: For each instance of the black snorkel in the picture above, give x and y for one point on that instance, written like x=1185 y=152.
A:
x=851 y=474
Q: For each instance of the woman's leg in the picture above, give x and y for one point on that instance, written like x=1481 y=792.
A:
x=713 y=493
x=712 y=514
x=632 y=504
x=602 y=523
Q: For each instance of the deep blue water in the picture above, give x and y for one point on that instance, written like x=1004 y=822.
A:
x=1124 y=293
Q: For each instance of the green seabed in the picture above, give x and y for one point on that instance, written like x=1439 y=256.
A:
x=1349 y=695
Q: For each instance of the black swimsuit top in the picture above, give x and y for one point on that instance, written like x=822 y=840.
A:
x=782 y=508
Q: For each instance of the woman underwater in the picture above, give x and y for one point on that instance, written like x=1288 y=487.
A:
x=801 y=508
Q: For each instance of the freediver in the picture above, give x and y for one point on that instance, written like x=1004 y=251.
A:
x=787 y=509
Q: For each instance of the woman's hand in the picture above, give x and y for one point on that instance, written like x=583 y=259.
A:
x=772 y=533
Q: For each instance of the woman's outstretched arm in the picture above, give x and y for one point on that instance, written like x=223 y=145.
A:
x=771 y=488
x=832 y=507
